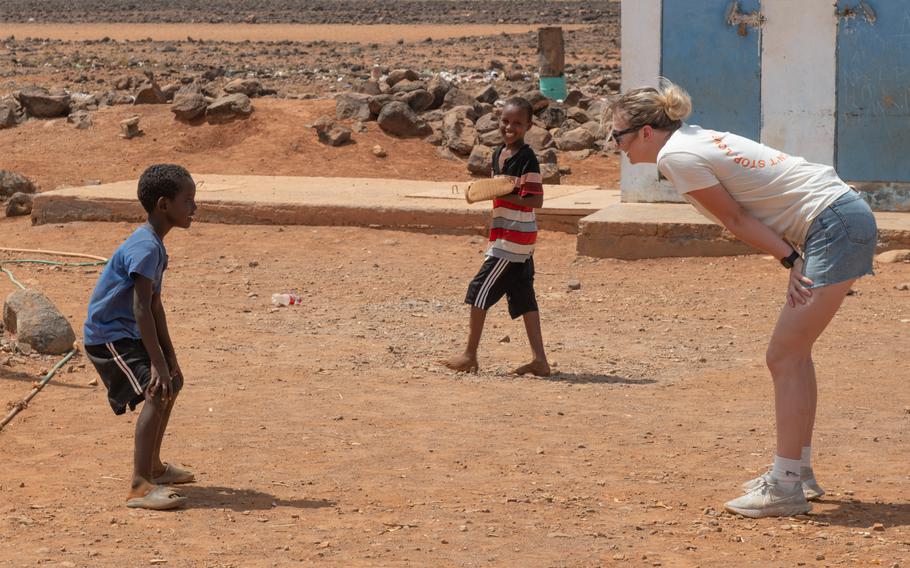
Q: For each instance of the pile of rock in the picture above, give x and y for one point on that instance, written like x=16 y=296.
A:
x=466 y=124
x=191 y=98
x=17 y=191
x=194 y=102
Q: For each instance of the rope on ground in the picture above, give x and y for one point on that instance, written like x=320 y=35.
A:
x=21 y=405
x=55 y=253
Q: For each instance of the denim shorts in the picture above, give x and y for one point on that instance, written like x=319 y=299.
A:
x=841 y=242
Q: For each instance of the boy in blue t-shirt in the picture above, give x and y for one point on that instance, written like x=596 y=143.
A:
x=126 y=335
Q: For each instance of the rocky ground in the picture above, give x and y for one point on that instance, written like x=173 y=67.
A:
x=312 y=11
x=296 y=68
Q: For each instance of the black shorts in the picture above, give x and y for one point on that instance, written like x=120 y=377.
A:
x=126 y=371
x=498 y=276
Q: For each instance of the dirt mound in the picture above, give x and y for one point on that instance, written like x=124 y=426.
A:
x=274 y=141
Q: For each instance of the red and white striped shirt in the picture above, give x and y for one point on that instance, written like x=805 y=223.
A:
x=513 y=230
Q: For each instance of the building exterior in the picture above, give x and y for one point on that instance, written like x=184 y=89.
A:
x=823 y=79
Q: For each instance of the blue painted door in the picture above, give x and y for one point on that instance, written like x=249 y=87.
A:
x=873 y=90
x=718 y=63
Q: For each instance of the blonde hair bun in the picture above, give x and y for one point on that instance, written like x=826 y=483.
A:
x=676 y=101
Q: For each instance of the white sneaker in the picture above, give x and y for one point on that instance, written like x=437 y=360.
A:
x=811 y=488
x=771 y=499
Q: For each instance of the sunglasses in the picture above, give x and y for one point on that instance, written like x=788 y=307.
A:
x=616 y=134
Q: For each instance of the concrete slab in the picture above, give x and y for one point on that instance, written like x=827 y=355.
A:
x=655 y=230
x=319 y=201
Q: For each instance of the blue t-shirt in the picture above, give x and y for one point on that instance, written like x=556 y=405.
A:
x=110 y=309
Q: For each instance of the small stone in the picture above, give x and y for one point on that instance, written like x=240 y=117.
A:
x=574 y=285
x=129 y=128
x=379 y=151
x=819 y=556
x=878 y=527
x=506 y=339
x=903 y=287
x=80 y=120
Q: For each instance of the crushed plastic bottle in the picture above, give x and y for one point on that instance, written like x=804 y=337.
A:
x=285 y=299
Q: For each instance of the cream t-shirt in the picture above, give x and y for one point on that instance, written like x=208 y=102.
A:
x=784 y=192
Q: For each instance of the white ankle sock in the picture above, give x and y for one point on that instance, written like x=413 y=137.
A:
x=785 y=470
x=806 y=459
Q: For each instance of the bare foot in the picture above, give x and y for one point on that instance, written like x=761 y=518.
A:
x=536 y=368
x=463 y=363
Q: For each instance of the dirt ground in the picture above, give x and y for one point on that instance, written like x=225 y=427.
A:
x=324 y=435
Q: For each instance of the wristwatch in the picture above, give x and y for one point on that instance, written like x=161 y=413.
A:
x=788 y=261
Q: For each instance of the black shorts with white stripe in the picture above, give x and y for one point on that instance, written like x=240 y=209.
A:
x=125 y=369
x=498 y=277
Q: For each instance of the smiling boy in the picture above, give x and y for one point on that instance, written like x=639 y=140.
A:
x=508 y=269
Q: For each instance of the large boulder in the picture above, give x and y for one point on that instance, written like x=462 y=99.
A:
x=577 y=139
x=553 y=116
x=398 y=75
x=229 y=107
x=459 y=112
x=439 y=86
x=573 y=98
x=488 y=95
x=480 y=162
x=578 y=114
x=458 y=131
x=398 y=119
x=538 y=138
x=36 y=321
x=19 y=204
x=369 y=87
x=352 y=105
x=12 y=182
x=406 y=86
x=538 y=100
x=491 y=138
x=419 y=100
x=486 y=123
x=456 y=97
x=40 y=103
x=150 y=94
x=377 y=102
x=249 y=87
x=189 y=107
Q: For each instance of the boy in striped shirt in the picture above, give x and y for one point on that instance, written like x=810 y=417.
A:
x=509 y=265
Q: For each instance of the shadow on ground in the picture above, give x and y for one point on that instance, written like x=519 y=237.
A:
x=208 y=497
